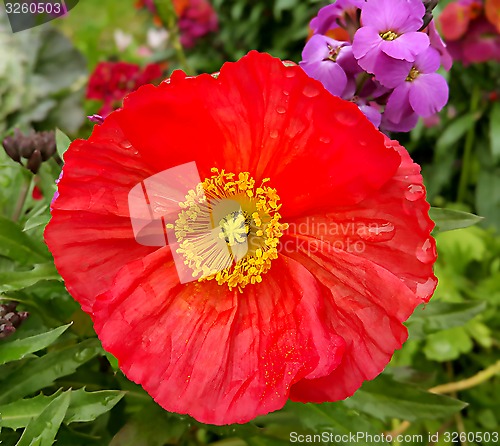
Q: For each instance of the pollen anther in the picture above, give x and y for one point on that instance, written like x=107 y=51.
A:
x=228 y=229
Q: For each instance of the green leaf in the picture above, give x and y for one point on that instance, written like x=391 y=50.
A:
x=40 y=218
x=437 y=316
x=42 y=430
x=332 y=418
x=447 y=345
x=151 y=426
x=84 y=406
x=87 y=406
x=455 y=131
x=18 y=280
x=17 y=245
x=38 y=373
x=488 y=197
x=495 y=131
x=384 y=398
x=449 y=219
x=62 y=142
x=18 y=349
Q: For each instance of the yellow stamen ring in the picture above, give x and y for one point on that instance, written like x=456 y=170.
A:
x=228 y=229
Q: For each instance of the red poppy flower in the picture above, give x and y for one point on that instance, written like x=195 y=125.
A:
x=335 y=219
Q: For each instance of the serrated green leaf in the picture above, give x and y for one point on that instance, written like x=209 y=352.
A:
x=87 y=406
x=17 y=245
x=384 y=398
x=17 y=415
x=449 y=219
x=495 y=131
x=42 y=430
x=18 y=280
x=18 y=349
x=437 y=316
x=84 y=406
x=62 y=142
x=42 y=372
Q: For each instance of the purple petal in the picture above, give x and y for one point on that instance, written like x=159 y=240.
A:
x=366 y=39
x=329 y=73
x=427 y=61
x=347 y=60
x=440 y=46
x=428 y=94
x=393 y=15
x=373 y=115
x=406 y=46
x=398 y=105
x=391 y=72
x=326 y=19
x=405 y=125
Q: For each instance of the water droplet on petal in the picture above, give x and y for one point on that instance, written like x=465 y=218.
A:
x=347 y=117
x=427 y=253
x=286 y=93
x=424 y=290
x=281 y=110
x=273 y=134
x=414 y=192
x=325 y=139
x=310 y=91
x=290 y=73
x=376 y=232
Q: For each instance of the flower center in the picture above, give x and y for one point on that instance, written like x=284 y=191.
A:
x=228 y=229
x=333 y=53
x=389 y=35
x=412 y=75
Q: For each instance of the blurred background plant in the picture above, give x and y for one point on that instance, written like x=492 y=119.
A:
x=57 y=382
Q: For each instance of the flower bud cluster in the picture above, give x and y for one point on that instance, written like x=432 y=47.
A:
x=383 y=55
x=34 y=147
x=10 y=319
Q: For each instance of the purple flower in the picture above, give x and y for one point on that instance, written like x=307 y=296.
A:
x=329 y=61
x=423 y=93
x=329 y=16
x=390 y=30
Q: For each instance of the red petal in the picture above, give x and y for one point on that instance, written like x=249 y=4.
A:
x=268 y=119
x=220 y=356
x=370 y=291
x=90 y=233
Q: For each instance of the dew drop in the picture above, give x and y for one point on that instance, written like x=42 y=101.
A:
x=376 y=232
x=427 y=253
x=414 y=192
x=281 y=110
x=325 y=139
x=273 y=134
x=424 y=290
x=310 y=91
x=290 y=73
x=347 y=117
x=286 y=93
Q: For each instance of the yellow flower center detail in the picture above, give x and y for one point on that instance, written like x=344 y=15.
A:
x=412 y=75
x=228 y=229
x=389 y=35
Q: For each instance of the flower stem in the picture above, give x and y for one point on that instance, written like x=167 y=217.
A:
x=479 y=378
x=25 y=187
x=168 y=16
x=469 y=142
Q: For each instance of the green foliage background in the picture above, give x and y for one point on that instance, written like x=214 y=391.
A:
x=56 y=381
